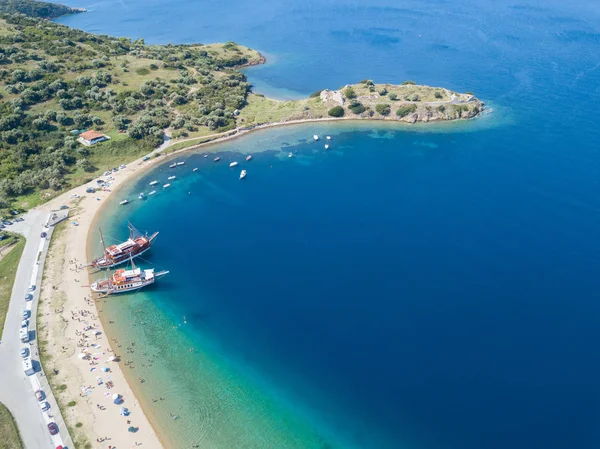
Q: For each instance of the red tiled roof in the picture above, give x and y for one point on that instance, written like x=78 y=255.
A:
x=91 y=135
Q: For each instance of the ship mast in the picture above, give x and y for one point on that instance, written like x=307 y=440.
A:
x=106 y=253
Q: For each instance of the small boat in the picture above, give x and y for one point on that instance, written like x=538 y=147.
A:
x=195 y=169
x=206 y=155
x=248 y=157
x=181 y=163
x=173 y=165
x=170 y=178
x=122 y=203
x=243 y=174
x=166 y=185
x=328 y=137
x=153 y=183
x=142 y=196
x=326 y=147
x=152 y=193
x=316 y=137
x=233 y=164
x=290 y=154
x=217 y=159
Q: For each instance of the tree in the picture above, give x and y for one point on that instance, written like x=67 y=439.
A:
x=392 y=96
x=409 y=82
x=349 y=93
x=336 y=111
x=382 y=108
x=406 y=109
x=357 y=108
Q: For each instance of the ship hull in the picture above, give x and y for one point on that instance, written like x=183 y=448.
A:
x=118 y=261
x=111 y=290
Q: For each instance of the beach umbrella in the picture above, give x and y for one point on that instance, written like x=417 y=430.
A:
x=105 y=369
x=82 y=355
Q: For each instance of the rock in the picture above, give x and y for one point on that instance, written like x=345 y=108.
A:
x=332 y=95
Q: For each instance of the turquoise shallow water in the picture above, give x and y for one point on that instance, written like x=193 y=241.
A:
x=419 y=287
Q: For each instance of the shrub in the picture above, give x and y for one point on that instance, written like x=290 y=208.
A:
x=78 y=425
x=409 y=82
x=316 y=94
x=349 y=93
x=142 y=71
x=437 y=94
x=393 y=96
x=406 y=109
x=72 y=403
x=383 y=92
x=357 y=108
x=441 y=108
x=336 y=111
x=383 y=109
x=153 y=67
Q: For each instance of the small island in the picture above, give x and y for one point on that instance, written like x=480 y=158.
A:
x=57 y=83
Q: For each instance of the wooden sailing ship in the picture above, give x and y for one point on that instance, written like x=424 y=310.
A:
x=123 y=281
x=136 y=245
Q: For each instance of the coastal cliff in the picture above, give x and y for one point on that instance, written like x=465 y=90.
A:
x=41 y=10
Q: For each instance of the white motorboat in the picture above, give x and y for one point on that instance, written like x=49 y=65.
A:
x=290 y=154
x=142 y=196
x=173 y=165
x=233 y=164
x=152 y=193
x=122 y=203
x=326 y=147
x=328 y=137
x=248 y=157
x=217 y=159
x=153 y=183
x=181 y=163
x=170 y=178
x=243 y=174
x=166 y=185
x=316 y=137
x=195 y=169
x=206 y=155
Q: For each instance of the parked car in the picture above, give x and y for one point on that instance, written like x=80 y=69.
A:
x=24 y=323
x=122 y=166
x=19 y=219
x=43 y=235
x=63 y=207
x=31 y=288
x=40 y=395
x=52 y=428
x=26 y=314
x=28 y=297
x=44 y=406
x=25 y=353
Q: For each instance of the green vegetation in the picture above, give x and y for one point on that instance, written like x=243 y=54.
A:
x=54 y=79
x=11 y=439
x=357 y=108
x=71 y=403
x=404 y=110
x=11 y=254
x=393 y=96
x=336 y=111
x=42 y=10
x=383 y=109
x=316 y=94
x=407 y=83
x=349 y=93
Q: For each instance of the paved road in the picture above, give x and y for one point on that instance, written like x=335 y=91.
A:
x=17 y=389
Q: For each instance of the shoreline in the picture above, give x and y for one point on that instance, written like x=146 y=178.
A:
x=88 y=212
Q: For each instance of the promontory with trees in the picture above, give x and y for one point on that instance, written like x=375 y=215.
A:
x=56 y=81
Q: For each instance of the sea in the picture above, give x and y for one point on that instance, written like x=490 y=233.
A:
x=413 y=287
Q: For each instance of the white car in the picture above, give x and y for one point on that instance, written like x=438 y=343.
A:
x=44 y=406
x=31 y=288
x=24 y=323
x=26 y=314
x=25 y=353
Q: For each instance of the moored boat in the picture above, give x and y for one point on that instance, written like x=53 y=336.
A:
x=123 y=281
x=243 y=174
x=153 y=183
x=170 y=178
x=248 y=157
x=181 y=163
x=290 y=154
x=326 y=147
x=122 y=203
x=195 y=169
x=328 y=137
x=233 y=164
x=173 y=165
x=217 y=159
x=136 y=245
x=142 y=196
x=166 y=185
x=316 y=137
x=152 y=193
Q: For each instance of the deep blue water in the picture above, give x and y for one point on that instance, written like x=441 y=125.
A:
x=435 y=289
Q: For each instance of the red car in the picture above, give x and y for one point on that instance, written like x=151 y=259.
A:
x=52 y=428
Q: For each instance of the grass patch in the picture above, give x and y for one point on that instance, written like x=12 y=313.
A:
x=72 y=403
x=8 y=271
x=11 y=439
